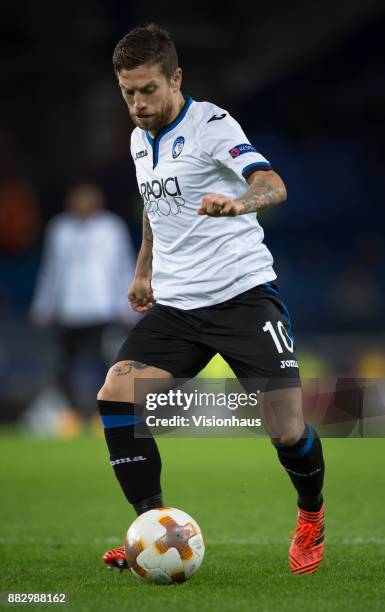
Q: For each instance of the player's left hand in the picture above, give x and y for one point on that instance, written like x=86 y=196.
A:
x=218 y=205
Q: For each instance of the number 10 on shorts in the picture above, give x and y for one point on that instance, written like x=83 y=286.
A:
x=287 y=341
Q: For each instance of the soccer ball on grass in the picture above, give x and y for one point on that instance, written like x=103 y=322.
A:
x=164 y=546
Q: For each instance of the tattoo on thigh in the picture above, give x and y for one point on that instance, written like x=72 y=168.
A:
x=128 y=367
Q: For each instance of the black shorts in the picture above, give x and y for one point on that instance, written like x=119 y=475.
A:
x=251 y=331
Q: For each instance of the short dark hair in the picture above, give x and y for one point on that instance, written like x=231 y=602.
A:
x=147 y=44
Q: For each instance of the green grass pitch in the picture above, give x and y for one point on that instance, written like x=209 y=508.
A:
x=61 y=509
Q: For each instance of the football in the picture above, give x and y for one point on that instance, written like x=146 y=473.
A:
x=164 y=546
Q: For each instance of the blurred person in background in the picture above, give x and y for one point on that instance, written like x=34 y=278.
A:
x=87 y=266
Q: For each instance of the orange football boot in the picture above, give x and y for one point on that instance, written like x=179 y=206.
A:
x=307 y=546
x=115 y=558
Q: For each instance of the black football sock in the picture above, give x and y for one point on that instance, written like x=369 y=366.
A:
x=135 y=459
x=304 y=463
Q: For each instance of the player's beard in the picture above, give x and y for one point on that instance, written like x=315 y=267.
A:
x=158 y=120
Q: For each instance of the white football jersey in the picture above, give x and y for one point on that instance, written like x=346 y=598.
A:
x=200 y=260
x=86 y=267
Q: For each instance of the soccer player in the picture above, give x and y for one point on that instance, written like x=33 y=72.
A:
x=205 y=280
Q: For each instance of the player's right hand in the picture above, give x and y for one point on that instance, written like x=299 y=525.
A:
x=140 y=295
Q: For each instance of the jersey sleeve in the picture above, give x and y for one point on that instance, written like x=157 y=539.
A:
x=132 y=144
x=226 y=143
x=45 y=299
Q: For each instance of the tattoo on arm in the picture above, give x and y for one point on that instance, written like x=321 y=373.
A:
x=147 y=231
x=128 y=367
x=263 y=192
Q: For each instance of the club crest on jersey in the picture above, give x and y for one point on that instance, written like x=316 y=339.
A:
x=241 y=149
x=177 y=147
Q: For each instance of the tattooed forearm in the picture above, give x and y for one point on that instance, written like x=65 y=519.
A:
x=147 y=231
x=128 y=367
x=261 y=196
x=264 y=192
x=144 y=261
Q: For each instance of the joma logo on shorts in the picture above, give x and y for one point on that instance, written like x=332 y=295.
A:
x=289 y=363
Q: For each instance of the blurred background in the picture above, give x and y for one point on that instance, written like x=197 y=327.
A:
x=306 y=82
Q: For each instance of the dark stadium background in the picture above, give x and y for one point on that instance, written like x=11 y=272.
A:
x=305 y=80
